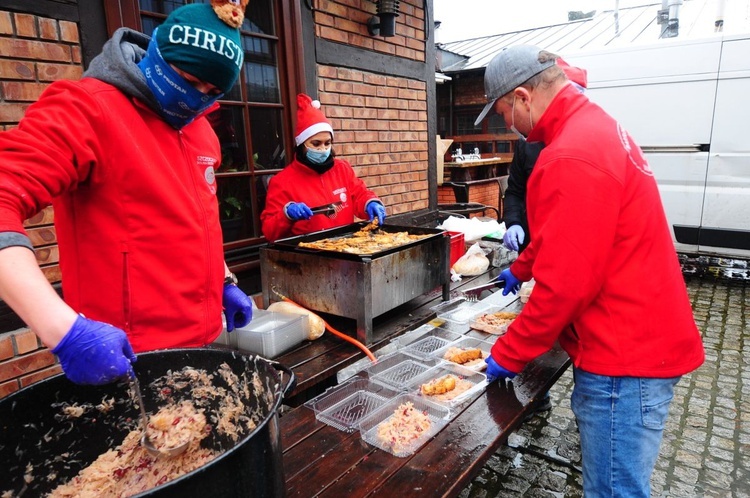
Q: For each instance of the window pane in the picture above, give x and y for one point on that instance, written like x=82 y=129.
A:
x=268 y=139
x=261 y=70
x=235 y=209
x=259 y=17
x=496 y=124
x=465 y=125
x=502 y=146
x=162 y=6
x=229 y=126
x=268 y=149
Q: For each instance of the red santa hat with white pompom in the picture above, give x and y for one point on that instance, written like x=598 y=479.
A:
x=310 y=119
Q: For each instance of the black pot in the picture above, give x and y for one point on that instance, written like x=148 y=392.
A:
x=35 y=433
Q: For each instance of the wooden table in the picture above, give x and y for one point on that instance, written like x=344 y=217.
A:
x=479 y=169
x=315 y=363
x=320 y=460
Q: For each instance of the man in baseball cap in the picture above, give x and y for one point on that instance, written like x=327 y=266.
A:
x=608 y=287
x=510 y=68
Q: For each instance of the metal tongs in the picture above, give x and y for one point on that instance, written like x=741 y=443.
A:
x=145 y=441
x=472 y=294
x=329 y=210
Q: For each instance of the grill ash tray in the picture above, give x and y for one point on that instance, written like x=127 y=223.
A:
x=344 y=405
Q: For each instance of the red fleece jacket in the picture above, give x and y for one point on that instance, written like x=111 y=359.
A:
x=298 y=183
x=136 y=215
x=608 y=282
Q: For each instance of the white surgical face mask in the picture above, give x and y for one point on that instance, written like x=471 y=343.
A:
x=513 y=128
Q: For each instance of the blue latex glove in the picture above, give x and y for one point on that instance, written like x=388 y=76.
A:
x=513 y=238
x=512 y=284
x=496 y=371
x=376 y=209
x=95 y=353
x=238 y=308
x=298 y=211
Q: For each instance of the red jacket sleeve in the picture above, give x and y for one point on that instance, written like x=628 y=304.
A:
x=574 y=217
x=50 y=152
x=274 y=223
x=361 y=195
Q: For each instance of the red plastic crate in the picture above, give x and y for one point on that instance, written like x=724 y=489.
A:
x=458 y=246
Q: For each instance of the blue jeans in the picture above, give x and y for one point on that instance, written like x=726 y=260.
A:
x=620 y=420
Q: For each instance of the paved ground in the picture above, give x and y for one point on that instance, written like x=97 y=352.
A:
x=706 y=447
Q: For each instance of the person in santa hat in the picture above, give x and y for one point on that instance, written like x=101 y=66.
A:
x=315 y=177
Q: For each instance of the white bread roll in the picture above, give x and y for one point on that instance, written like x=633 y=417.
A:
x=317 y=325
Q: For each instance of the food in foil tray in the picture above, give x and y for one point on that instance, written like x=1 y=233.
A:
x=365 y=241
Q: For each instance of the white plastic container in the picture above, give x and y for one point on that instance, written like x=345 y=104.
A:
x=483 y=345
x=344 y=405
x=399 y=375
x=459 y=310
x=424 y=347
x=438 y=417
x=270 y=333
x=472 y=382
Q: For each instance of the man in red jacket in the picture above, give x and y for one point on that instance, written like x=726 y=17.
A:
x=612 y=295
x=127 y=158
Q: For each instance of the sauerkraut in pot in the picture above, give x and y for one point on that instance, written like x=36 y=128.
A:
x=193 y=405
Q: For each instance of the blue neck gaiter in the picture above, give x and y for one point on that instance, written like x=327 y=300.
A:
x=179 y=102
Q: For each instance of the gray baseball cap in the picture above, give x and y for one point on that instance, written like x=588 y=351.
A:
x=509 y=69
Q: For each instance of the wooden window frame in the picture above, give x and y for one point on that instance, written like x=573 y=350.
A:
x=290 y=55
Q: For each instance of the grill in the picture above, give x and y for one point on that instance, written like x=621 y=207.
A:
x=355 y=286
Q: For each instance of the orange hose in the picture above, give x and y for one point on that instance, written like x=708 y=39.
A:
x=337 y=333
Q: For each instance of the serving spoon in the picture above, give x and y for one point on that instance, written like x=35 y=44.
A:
x=145 y=441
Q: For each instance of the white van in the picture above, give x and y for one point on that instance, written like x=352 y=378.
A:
x=687 y=104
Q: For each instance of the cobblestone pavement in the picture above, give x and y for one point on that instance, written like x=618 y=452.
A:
x=705 y=451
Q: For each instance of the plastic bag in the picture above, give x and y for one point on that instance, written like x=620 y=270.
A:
x=472 y=228
x=474 y=262
x=525 y=291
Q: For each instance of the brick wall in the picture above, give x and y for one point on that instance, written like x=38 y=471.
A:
x=345 y=21
x=380 y=124
x=34 y=52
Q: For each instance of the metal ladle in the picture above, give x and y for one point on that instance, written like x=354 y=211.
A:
x=145 y=441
